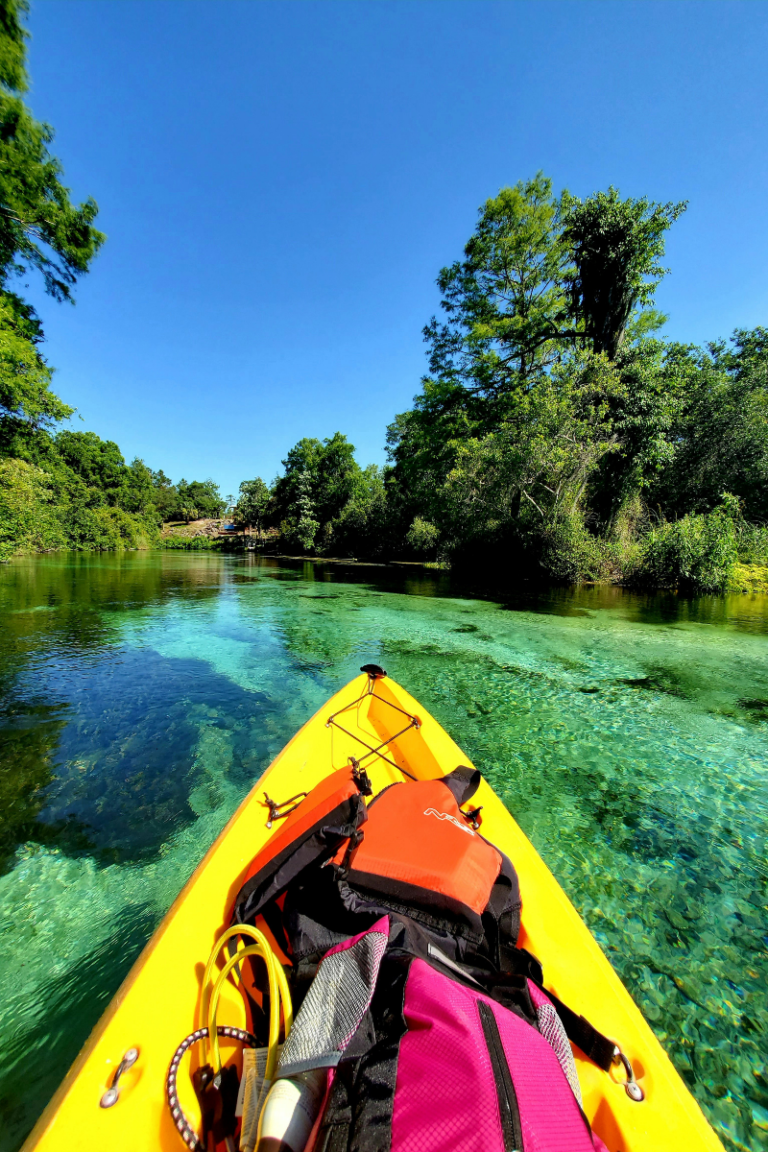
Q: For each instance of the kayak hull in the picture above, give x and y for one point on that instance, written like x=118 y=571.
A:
x=158 y=1003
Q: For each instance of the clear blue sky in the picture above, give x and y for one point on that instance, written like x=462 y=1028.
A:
x=280 y=183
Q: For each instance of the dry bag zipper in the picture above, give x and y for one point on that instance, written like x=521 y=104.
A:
x=509 y=1113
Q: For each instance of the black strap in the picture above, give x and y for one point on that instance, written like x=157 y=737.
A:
x=593 y=1044
x=463 y=782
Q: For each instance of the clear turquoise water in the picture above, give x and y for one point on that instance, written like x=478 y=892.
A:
x=141 y=695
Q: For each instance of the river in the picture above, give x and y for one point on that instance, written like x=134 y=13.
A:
x=142 y=694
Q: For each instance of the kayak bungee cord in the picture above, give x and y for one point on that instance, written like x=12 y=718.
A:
x=375 y=673
x=185 y=1129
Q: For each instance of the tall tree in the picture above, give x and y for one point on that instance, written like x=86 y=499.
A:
x=506 y=303
x=98 y=462
x=323 y=472
x=40 y=227
x=200 y=498
x=252 y=503
x=721 y=431
x=615 y=246
x=165 y=496
x=26 y=398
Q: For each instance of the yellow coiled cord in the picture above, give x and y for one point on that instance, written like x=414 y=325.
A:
x=279 y=992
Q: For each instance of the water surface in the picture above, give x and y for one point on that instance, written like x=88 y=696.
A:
x=142 y=694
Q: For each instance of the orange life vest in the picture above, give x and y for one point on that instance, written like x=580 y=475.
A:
x=419 y=849
x=325 y=819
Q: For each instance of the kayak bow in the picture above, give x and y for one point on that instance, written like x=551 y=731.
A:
x=114 y=1095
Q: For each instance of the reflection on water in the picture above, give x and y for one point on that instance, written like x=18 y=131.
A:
x=141 y=695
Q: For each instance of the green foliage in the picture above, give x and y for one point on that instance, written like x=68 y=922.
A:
x=13 y=72
x=506 y=301
x=25 y=378
x=695 y=554
x=749 y=578
x=109 y=530
x=423 y=537
x=721 y=430
x=655 y=379
x=753 y=543
x=568 y=553
x=615 y=246
x=199 y=499
x=165 y=496
x=182 y=543
x=553 y=420
x=361 y=526
x=39 y=226
x=253 y=503
x=28 y=520
x=532 y=472
x=301 y=531
x=318 y=499
x=40 y=510
x=99 y=463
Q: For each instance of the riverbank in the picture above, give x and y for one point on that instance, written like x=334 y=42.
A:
x=736 y=576
x=209 y=536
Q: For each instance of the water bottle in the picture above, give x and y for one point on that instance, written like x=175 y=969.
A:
x=290 y=1110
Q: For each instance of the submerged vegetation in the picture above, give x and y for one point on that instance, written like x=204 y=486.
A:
x=556 y=433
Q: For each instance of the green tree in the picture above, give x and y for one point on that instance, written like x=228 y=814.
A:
x=527 y=481
x=720 y=432
x=361 y=527
x=138 y=492
x=325 y=501
x=165 y=496
x=200 y=498
x=25 y=394
x=28 y=520
x=506 y=302
x=307 y=524
x=252 y=503
x=615 y=246
x=99 y=463
x=300 y=466
x=320 y=475
x=40 y=228
x=656 y=377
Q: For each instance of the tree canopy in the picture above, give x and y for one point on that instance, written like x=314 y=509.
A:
x=252 y=503
x=40 y=227
x=615 y=246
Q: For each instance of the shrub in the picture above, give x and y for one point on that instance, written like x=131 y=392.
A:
x=695 y=554
x=748 y=578
x=108 y=530
x=570 y=553
x=28 y=520
x=753 y=543
x=423 y=537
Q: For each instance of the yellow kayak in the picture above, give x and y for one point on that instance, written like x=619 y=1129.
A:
x=159 y=1002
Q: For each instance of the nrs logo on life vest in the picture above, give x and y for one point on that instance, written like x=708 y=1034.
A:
x=447 y=816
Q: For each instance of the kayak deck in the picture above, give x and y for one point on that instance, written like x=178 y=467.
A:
x=158 y=1004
